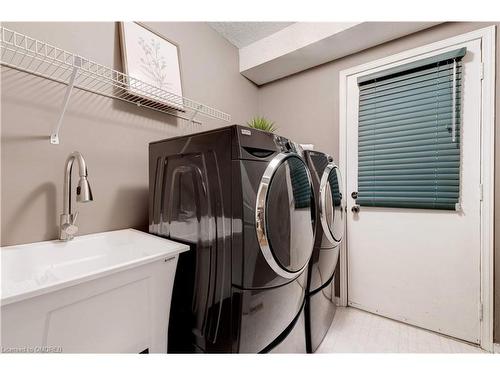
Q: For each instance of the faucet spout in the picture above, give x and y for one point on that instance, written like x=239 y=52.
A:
x=68 y=228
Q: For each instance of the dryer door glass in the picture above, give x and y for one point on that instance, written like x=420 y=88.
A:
x=332 y=210
x=289 y=210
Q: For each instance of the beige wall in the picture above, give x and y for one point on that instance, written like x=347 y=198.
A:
x=113 y=136
x=305 y=106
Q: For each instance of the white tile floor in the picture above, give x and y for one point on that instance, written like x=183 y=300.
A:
x=356 y=331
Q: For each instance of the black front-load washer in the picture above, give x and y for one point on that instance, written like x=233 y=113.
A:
x=320 y=296
x=242 y=199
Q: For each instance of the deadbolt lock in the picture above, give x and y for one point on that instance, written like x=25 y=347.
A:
x=354 y=195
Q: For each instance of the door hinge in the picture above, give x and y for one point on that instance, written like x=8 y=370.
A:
x=481 y=71
x=481 y=312
x=481 y=194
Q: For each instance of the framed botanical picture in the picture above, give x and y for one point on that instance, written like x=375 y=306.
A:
x=153 y=59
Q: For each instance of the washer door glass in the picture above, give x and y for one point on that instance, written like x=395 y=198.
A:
x=289 y=223
x=332 y=204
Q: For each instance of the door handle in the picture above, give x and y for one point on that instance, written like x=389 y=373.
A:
x=355 y=209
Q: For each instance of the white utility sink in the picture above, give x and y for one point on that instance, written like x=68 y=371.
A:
x=104 y=292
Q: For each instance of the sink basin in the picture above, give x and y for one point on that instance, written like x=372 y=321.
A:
x=37 y=268
x=79 y=295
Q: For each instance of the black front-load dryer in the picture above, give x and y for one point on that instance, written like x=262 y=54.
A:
x=329 y=222
x=242 y=199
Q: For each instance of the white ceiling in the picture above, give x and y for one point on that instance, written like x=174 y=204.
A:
x=241 y=34
x=272 y=50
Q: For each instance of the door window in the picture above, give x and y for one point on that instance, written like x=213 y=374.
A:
x=409 y=134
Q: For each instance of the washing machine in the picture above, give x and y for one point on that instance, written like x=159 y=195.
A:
x=242 y=200
x=329 y=230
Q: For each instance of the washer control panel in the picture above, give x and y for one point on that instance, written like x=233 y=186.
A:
x=284 y=144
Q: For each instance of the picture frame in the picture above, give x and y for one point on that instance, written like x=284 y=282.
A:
x=148 y=57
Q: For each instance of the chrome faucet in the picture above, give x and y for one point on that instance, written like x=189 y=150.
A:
x=67 y=228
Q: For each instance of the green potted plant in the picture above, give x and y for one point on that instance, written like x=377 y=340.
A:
x=261 y=123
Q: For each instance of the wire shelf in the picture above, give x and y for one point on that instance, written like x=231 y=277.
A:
x=30 y=55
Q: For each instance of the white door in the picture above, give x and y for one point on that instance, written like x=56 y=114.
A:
x=416 y=265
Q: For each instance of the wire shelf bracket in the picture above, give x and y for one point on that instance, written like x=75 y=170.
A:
x=194 y=114
x=54 y=137
x=27 y=54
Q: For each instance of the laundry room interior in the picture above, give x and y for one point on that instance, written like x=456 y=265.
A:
x=225 y=187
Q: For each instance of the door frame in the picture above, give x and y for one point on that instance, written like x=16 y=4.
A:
x=487 y=37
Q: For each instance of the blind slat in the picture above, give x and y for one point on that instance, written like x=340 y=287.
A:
x=409 y=100
x=422 y=138
x=422 y=81
x=417 y=155
x=443 y=70
x=416 y=87
x=438 y=118
x=390 y=128
x=411 y=194
x=369 y=162
x=411 y=172
x=404 y=199
x=426 y=130
x=394 y=149
x=399 y=187
x=406 y=203
x=428 y=176
x=407 y=109
x=430 y=91
x=404 y=167
x=408 y=144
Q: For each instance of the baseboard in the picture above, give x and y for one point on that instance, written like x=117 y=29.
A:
x=496 y=348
